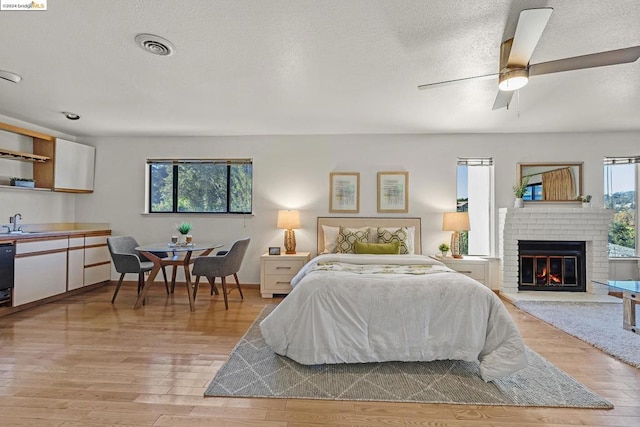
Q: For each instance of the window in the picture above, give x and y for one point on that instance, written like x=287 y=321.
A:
x=475 y=195
x=534 y=192
x=200 y=186
x=620 y=182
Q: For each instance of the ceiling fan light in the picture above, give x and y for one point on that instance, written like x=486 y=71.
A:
x=513 y=80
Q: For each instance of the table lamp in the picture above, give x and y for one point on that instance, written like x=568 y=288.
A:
x=456 y=222
x=288 y=220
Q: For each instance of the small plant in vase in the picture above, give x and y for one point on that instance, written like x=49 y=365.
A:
x=519 y=191
x=443 y=248
x=184 y=229
x=586 y=200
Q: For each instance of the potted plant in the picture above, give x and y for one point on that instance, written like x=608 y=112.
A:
x=184 y=229
x=22 y=182
x=443 y=248
x=586 y=201
x=519 y=191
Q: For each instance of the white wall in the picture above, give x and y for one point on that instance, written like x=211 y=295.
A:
x=293 y=172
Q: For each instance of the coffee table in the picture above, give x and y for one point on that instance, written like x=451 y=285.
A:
x=630 y=297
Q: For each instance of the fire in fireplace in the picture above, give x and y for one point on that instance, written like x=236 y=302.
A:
x=551 y=265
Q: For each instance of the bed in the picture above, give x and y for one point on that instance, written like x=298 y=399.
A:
x=359 y=308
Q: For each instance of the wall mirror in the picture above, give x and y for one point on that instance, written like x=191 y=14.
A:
x=551 y=182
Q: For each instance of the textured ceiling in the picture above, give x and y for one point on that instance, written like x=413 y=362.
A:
x=310 y=67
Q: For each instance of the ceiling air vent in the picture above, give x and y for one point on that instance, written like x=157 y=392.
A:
x=155 y=44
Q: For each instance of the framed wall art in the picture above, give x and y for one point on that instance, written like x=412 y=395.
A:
x=344 y=192
x=393 y=192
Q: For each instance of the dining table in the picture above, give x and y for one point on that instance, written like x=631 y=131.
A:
x=179 y=255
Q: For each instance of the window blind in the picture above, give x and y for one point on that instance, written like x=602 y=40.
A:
x=208 y=161
x=621 y=160
x=475 y=161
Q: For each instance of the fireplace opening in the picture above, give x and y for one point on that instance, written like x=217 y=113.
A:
x=546 y=265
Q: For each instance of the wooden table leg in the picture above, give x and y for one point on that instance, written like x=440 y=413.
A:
x=629 y=301
x=173 y=279
x=189 y=288
x=187 y=275
x=152 y=276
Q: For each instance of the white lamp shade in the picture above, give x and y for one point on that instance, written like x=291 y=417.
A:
x=455 y=221
x=288 y=219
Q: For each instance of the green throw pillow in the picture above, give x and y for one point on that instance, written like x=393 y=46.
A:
x=401 y=235
x=378 y=248
x=347 y=238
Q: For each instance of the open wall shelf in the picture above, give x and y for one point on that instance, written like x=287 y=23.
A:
x=25 y=157
x=14 y=187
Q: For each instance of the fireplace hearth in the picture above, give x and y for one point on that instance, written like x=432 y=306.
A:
x=547 y=265
x=554 y=223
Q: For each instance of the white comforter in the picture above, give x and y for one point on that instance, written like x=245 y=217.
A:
x=338 y=312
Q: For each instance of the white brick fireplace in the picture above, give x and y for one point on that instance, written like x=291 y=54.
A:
x=590 y=225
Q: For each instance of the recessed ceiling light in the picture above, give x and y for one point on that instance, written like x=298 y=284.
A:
x=71 y=116
x=155 y=44
x=9 y=76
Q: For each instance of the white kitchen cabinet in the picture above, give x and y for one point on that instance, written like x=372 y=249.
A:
x=74 y=166
x=71 y=168
x=58 y=164
x=40 y=270
x=75 y=263
x=97 y=260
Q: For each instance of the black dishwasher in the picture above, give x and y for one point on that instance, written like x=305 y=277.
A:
x=7 y=254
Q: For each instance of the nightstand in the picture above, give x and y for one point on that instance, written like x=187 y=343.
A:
x=276 y=272
x=472 y=266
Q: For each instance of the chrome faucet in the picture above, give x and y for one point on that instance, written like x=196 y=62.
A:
x=15 y=220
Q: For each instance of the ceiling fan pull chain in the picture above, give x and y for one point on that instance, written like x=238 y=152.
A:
x=518 y=101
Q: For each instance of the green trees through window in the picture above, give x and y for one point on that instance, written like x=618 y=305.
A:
x=200 y=186
x=474 y=195
x=621 y=196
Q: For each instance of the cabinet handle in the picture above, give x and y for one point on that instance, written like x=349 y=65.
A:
x=283 y=283
x=283 y=268
x=464 y=272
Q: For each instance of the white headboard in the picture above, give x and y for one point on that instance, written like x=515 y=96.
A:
x=357 y=222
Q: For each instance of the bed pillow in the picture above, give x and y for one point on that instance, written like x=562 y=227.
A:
x=330 y=239
x=377 y=248
x=400 y=235
x=347 y=238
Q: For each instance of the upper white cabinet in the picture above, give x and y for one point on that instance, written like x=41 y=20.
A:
x=58 y=164
x=70 y=169
x=73 y=168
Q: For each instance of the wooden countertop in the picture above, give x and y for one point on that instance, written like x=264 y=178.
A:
x=52 y=234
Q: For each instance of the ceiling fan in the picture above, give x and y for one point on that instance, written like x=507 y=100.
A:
x=516 y=52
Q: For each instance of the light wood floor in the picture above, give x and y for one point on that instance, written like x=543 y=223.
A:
x=84 y=362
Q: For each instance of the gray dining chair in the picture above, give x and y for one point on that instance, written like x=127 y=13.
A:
x=223 y=264
x=126 y=259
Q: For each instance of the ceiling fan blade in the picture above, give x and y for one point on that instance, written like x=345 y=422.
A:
x=601 y=59
x=503 y=99
x=449 y=82
x=531 y=24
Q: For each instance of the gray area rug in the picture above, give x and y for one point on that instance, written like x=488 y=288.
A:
x=599 y=324
x=254 y=370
